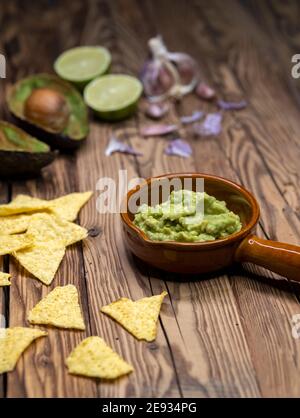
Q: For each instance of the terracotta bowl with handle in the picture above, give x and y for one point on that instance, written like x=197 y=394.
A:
x=210 y=256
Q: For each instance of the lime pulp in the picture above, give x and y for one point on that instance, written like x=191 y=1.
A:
x=113 y=97
x=82 y=64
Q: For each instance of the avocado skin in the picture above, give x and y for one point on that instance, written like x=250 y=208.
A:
x=18 y=163
x=55 y=141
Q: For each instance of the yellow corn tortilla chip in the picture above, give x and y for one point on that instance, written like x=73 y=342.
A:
x=14 y=224
x=70 y=233
x=94 y=358
x=46 y=227
x=13 y=341
x=139 y=317
x=59 y=308
x=11 y=243
x=19 y=223
x=65 y=207
x=43 y=258
x=51 y=236
x=22 y=204
x=4 y=279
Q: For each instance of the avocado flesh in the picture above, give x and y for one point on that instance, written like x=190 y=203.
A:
x=20 y=153
x=77 y=127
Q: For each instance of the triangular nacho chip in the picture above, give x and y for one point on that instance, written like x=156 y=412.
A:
x=46 y=227
x=4 y=279
x=14 y=224
x=23 y=204
x=19 y=223
x=11 y=243
x=67 y=207
x=69 y=232
x=51 y=236
x=94 y=358
x=42 y=260
x=139 y=317
x=59 y=308
x=13 y=341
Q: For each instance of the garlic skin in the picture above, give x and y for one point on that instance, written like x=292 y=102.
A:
x=168 y=74
x=158 y=78
x=204 y=91
x=156 y=110
x=158 y=130
x=47 y=108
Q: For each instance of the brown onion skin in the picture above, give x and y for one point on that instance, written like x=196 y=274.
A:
x=47 y=108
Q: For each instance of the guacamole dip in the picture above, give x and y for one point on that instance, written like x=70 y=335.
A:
x=181 y=218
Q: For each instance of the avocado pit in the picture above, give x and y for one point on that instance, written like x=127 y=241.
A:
x=47 y=108
x=51 y=109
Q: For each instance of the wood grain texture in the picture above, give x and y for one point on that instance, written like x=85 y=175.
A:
x=222 y=336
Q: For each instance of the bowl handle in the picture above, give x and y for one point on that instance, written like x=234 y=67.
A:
x=278 y=257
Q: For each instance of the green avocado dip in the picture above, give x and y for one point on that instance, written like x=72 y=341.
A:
x=181 y=218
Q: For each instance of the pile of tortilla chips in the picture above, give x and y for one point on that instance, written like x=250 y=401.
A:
x=36 y=232
x=48 y=231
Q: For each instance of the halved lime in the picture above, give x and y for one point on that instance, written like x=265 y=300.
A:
x=113 y=97
x=82 y=64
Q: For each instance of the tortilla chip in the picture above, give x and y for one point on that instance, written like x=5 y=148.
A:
x=51 y=236
x=46 y=227
x=13 y=341
x=22 y=204
x=4 y=279
x=94 y=358
x=43 y=258
x=59 y=308
x=69 y=232
x=19 y=223
x=14 y=224
x=67 y=207
x=11 y=243
x=139 y=318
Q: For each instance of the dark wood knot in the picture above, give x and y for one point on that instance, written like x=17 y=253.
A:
x=95 y=231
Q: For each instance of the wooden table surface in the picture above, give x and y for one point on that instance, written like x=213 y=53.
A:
x=228 y=336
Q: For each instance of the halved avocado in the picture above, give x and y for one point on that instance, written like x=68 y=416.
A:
x=20 y=153
x=51 y=109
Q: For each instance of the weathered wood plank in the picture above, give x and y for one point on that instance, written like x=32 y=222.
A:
x=4 y=197
x=201 y=371
x=4 y=291
x=273 y=112
x=291 y=301
x=41 y=371
x=229 y=336
x=110 y=273
x=245 y=161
